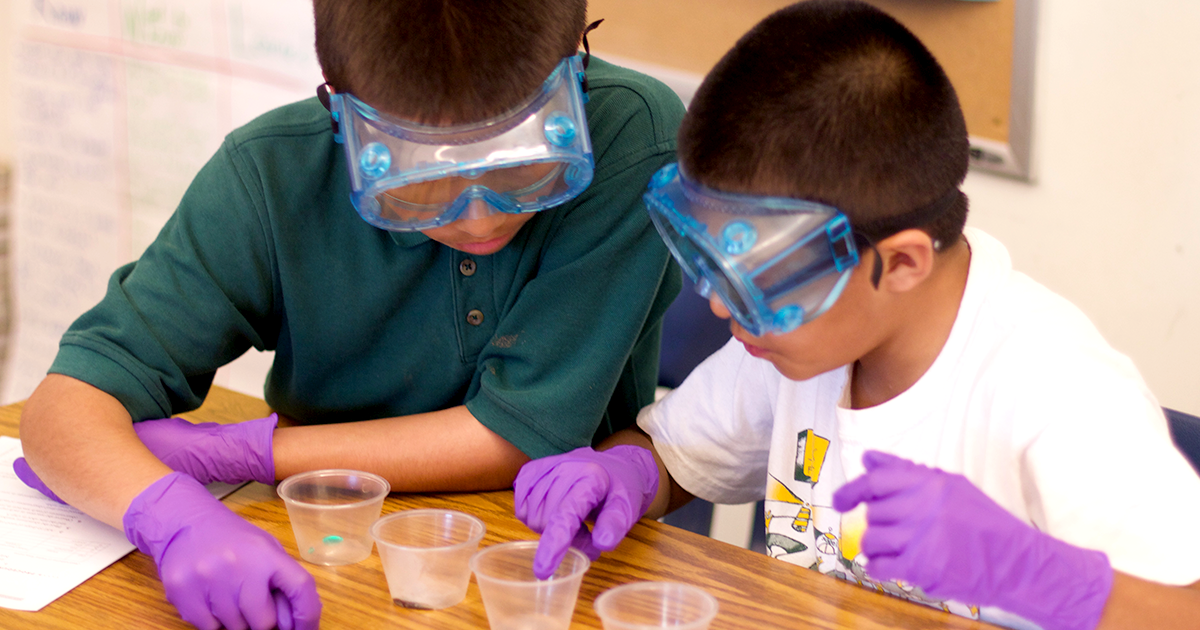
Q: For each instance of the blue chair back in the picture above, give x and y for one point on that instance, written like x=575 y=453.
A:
x=690 y=332
x=1185 y=430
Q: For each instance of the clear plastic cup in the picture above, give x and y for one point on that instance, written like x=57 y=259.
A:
x=654 y=605
x=332 y=512
x=425 y=555
x=514 y=599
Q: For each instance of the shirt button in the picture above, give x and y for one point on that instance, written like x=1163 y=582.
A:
x=467 y=267
x=475 y=317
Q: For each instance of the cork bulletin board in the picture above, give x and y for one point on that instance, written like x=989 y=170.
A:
x=986 y=49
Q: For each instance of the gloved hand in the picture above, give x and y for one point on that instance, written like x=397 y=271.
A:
x=555 y=495
x=938 y=531
x=210 y=452
x=217 y=569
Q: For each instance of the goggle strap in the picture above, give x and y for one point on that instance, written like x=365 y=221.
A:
x=893 y=224
x=587 y=52
x=323 y=96
x=887 y=226
x=877 y=268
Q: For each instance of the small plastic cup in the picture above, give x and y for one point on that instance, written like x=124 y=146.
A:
x=654 y=605
x=425 y=555
x=331 y=513
x=514 y=599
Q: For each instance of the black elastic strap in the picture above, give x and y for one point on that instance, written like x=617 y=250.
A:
x=323 y=91
x=323 y=95
x=888 y=226
x=587 y=51
x=865 y=243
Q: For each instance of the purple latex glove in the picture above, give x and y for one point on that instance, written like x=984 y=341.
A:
x=938 y=531
x=26 y=474
x=210 y=452
x=217 y=569
x=555 y=495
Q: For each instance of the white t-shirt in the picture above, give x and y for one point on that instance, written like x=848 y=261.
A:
x=1026 y=400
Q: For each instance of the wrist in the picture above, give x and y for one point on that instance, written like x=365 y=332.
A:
x=643 y=460
x=157 y=513
x=258 y=439
x=1068 y=586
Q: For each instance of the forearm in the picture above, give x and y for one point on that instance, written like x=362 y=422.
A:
x=670 y=495
x=80 y=442
x=446 y=450
x=1136 y=604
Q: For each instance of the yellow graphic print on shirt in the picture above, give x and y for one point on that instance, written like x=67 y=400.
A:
x=787 y=518
x=788 y=514
x=810 y=456
x=854 y=524
x=803 y=529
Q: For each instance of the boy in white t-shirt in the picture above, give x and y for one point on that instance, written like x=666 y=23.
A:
x=1005 y=463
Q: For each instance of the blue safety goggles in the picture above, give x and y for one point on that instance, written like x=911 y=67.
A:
x=775 y=262
x=406 y=176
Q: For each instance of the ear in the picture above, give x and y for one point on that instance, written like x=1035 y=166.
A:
x=907 y=260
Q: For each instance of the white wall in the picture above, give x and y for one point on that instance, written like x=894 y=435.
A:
x=7 y=142
x=1113 y=219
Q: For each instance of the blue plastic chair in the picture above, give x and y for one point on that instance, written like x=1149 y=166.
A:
x=1185 y=430
x=690 y=334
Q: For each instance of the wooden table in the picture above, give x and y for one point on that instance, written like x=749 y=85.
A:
x=755 y=591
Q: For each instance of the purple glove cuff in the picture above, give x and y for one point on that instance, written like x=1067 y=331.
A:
x=1067 y=589
x=260 y=454
x=644 y=460
x=150 y=527
x=232 y=453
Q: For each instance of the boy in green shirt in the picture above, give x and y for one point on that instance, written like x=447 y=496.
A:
x=449 y=255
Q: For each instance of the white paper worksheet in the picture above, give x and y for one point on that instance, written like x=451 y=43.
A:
x=47 y=548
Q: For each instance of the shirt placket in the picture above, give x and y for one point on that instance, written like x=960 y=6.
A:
x=475 y=302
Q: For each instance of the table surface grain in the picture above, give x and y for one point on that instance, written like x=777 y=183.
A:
x=754 y=591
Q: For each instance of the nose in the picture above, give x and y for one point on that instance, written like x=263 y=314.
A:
x=479 y=219
x=717 y=306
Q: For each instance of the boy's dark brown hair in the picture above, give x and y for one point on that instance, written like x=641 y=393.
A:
x=444 y=61
x=834 y=101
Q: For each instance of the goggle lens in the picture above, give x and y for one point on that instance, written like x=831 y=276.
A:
x=773 y=268
x=406 y=176
x=706 y=272
x=521 y=183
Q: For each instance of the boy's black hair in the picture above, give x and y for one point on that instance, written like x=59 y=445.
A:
x=834 y=101
x=444 y=61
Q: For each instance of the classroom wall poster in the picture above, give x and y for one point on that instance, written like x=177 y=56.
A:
x=118 y=103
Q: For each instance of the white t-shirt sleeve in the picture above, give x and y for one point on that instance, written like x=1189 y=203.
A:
x=1100 y=470
x=714 y=431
